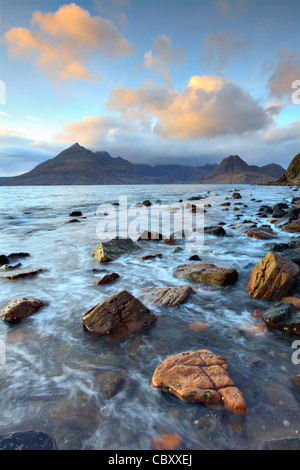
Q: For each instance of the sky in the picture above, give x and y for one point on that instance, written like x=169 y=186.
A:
x=184 y=82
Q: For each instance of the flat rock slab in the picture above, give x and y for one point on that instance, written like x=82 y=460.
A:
x=262 y=233
x=208 y=274
x=272 y=278
x=283 y=317
x=121 y=315
x=113 y=249
x=23 y=274
x=169 y=296
x=21 y=308
x=27 y=440
x=199 y=376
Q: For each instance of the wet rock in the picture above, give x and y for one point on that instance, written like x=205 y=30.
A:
x=243 y=227
x=14 y=256
x=292 y=255
x=210 y=424
x=292 y=227
x=272 y=278
x=236 y=196
x=279 y=213
x=177 y=249
x=3 y=260
x=280 y=206
x=73 y=221
x=115 y=204
x=10 y=267
x=169 y=241
x=75 y=214
x=215 y=230
x=265 y=209
x=283 y=317
x=282 y=222
x=121 y=315
x=170 y=296
x=113 y=249
x=199 y=376
x=293 y=300
x=206 y=274
x=195 y=258
x=21 y=308
x=23 y=274
x=226 y=204
x=145 y=235
x=151 y=256
x=195 y=198
x=108 y=279
x=262 y=233
x=276 y=246
x=27 y=440
x=199 y=326
x=110 y=382
x=166 y=442
x=147 y=203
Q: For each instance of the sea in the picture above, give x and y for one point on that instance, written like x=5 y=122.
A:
x=51 y=366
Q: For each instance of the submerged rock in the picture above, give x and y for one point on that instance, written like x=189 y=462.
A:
x=166 y=442
x=206 y=274
x=199 y=376
x=151 y=256
x=236 y=196
x=22 y=274
x=272 y=278
x=75 y=214
x=113 y=249
x=27 y=440
x=170 y=296
x=110 y=382
x=283 y=317
x=122 y=315
x=21 y=308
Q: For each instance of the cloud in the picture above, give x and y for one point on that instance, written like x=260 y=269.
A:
x=223 y=6
x=232 y=7
x=286 y=71
x=289 y=132
x=209 y=106
x=163 y=59
x=221 y=48
x=65 y=41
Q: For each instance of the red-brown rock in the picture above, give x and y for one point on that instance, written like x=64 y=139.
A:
x=272 y=278
x=121 y=315
x=199 y=376
x=108 y=279
x=262 y=233
x=21 y=308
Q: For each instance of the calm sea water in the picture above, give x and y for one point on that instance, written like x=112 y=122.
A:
x=50 y=377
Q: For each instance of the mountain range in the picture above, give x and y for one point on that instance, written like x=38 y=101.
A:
x=233 y=170
x=78 y=165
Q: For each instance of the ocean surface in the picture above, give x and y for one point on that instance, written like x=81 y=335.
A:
x=49 y=380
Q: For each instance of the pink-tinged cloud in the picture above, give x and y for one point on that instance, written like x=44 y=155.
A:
x=65 y=40
x=287 y=70
x=209 y=106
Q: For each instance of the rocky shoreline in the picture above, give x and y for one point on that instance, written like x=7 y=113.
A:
x=199 y=375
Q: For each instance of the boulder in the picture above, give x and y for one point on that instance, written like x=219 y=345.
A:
x=113 y=249
x=195 y=258
x=108 y=279
x=199 y=376
x=208 y=274
x=243 y=227
x=169 y=241
x=236 y=196
x=21 y=308
x=3 y=260
x=293 y=300
x=170 y=296
x=121 y=315
x=292 y=227
x=262 y=233
x=145 y=235
x=27 y=440
x=215 y=230
x=14 y=256
x=272 y=278
x=75 y=214
x=147 y=203
x=283 y=317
